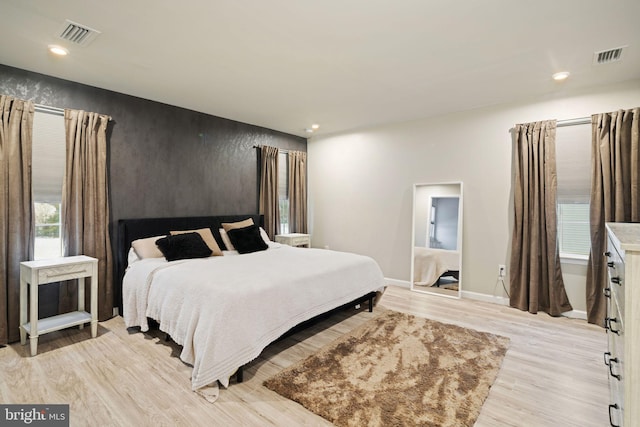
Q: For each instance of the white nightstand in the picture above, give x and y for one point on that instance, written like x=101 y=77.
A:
x=294 y=239
x=35 y=273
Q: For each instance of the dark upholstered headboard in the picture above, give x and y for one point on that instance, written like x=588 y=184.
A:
x=132 y=229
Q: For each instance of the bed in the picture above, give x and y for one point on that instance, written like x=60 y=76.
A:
x=429 y=265
x=224 y=310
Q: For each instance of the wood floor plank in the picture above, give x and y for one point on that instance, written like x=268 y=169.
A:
x=552 y=375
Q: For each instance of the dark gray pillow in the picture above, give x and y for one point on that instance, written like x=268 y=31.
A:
x=183 y=246
x=247 y=239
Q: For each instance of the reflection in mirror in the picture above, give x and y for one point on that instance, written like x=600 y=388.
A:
x=437 y=239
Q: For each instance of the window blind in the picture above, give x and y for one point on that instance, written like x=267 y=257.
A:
x=48 y=157
x=573 y=163
x=283 y=176
x=573 y=228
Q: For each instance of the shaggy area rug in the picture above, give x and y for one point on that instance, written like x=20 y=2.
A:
x=397 y=370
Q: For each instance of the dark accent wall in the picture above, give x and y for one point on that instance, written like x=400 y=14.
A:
x=164 y=161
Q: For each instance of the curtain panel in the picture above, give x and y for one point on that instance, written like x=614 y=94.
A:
x=85 y=204
x=16 y=208
x=269 y=205
x=615 y=193
x=535 y=277
x=297 y=191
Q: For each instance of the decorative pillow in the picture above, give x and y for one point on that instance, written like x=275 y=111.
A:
x=183 y=246
x=240 y=224
x=247 y=239
x=208 y=238
x=146 y=248
x=229 y=245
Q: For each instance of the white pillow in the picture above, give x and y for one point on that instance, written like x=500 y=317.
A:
x=264 y=235
x=226 y=240
x=132 y=257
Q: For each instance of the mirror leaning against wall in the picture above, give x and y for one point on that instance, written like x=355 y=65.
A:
x=436 y=251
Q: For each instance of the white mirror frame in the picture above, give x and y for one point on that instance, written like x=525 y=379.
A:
x=421 y=289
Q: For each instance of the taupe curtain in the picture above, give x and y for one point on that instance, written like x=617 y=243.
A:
x=16 y=208
x=615 y=193
x=535 y=276
x=85 y=204
x=297 y=191
x=269 y=205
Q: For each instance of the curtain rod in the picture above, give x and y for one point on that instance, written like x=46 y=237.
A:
x=573 y=122
x=569 y=122
x=51 y=110
x=280 y=150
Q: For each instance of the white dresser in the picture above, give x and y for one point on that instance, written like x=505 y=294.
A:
x=623 y=323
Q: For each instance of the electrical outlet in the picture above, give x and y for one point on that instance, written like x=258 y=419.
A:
x=502 y=271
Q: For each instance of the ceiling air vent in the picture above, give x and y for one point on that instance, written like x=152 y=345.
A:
x=77 y=33
x=608 y=56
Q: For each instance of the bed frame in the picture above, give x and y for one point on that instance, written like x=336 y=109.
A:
x=133 y=229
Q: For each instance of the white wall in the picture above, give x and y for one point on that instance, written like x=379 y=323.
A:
x=361 y=183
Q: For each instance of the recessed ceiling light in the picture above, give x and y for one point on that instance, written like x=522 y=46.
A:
x=58 y=50
x=315 y=126
x=562 y=75
x=308 y=130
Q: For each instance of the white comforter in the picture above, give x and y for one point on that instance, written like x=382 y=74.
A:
x=225 y=310
x=429 y=264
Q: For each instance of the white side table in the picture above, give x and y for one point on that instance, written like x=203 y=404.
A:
x=294 y=239
x=36 y=273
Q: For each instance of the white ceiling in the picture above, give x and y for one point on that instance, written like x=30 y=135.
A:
x=345 y=64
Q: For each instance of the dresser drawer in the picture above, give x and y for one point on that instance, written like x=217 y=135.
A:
x=614 y=325
x=616 y=276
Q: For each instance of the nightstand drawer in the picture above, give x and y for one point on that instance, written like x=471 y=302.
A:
x=294 y=239
x=299 y=241
x=64 y=272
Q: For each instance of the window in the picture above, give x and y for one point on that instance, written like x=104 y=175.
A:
x=48 y=242
x=283 y=191
x=48 y=164
x=573 y=160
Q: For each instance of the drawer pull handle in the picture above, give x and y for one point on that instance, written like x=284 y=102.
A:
x=611 y=264
x=607 y=324
x=613 y=406
x=613 y=360
x=607 y=357
x=616 y=280
x=607 y=254
x=607 y=292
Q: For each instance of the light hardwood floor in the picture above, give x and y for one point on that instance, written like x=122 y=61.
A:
x=552 y=375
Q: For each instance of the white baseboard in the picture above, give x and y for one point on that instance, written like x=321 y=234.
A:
x=500 y=300
x=401 y=283
x=485 y=297
x=576 y=314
